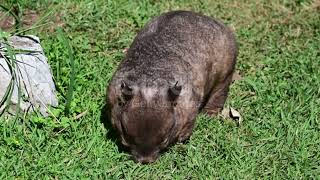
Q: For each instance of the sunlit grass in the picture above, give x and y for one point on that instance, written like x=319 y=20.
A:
x=278 y=97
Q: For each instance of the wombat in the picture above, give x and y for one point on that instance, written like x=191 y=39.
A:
x=181 y=62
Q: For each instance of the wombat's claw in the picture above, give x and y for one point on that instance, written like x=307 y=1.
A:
x=212 y=112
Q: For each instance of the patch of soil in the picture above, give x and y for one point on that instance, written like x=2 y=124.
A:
x=6 y=21
x=29 y=18
x=56 y=21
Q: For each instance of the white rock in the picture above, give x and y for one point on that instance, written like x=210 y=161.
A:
x=34 y=73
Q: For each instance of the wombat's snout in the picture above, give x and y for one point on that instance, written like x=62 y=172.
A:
x=146 y=158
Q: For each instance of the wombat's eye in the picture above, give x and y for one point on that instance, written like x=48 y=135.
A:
x=120 y=102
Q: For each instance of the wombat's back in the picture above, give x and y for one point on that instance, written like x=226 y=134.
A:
x=176 y=44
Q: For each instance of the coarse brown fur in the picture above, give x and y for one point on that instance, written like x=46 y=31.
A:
x=179 y=63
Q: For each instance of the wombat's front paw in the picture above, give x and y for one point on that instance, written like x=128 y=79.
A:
x=212 y=111
x=184 y=138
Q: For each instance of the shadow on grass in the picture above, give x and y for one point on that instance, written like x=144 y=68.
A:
x=112 y=134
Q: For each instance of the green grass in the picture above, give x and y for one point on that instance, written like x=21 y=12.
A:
x=279 y=96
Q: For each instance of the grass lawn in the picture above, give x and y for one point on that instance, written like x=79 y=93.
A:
x=278 y=97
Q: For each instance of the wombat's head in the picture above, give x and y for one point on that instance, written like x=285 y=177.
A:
x=145 y=118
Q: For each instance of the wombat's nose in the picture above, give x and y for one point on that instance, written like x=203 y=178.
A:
x=146 y=160
x=145 y=156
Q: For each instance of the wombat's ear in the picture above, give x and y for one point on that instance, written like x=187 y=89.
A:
x=174 y=91
x=126 y=90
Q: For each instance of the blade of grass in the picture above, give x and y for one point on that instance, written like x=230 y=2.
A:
x=30 y=28
x=7 y=97
x=72 y=73
x=15 y=76
x=6 y=101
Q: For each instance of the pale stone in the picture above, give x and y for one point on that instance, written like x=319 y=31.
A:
x=34 y=73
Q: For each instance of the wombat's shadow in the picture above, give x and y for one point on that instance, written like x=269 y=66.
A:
x=112 y=134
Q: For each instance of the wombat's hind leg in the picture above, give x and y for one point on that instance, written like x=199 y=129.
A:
x=217 y=98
